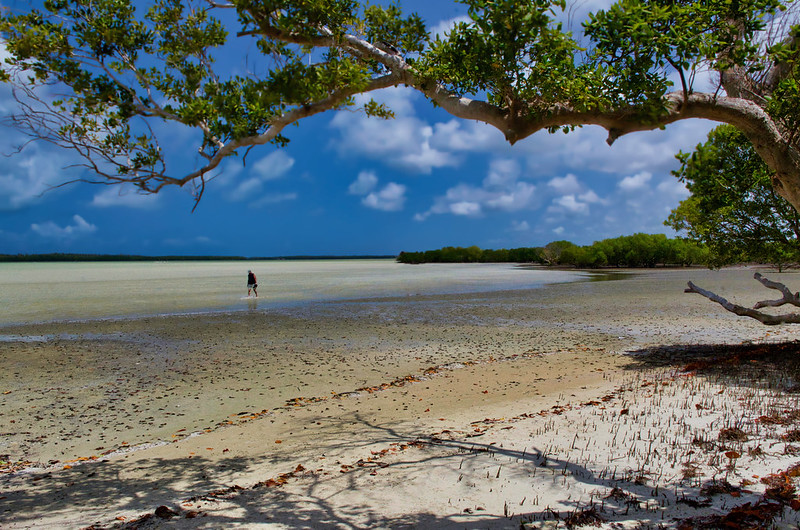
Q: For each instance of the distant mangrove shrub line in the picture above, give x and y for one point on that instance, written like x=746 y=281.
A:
x=637 y=250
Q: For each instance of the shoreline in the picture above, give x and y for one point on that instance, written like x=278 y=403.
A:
x=96 y=291
x=512 y=353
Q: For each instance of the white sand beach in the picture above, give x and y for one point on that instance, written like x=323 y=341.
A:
x=569 y=405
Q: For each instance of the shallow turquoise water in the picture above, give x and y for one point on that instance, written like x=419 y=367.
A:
x=37 y=292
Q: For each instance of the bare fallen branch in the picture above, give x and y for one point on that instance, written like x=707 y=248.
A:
x=764 y=318
x=788 y=296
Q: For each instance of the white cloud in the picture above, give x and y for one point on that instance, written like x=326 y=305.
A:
x=673 y=187
x=565 y=185
x=227 y=175
x=460 y=135
x=390 y=199
x=467 y=208
x=273 y=166
x=404 y=141
x=635 y=182
x=425 y=158
x=518 y=197
x=365 y=183
x=558 y=230
x=51 y=230
x=501 y=190
x=570 y=204
x=502 y=174
x=520 y=226
x=586 y=149
x=120 y=195
x=246 y=188
x=590 y=197
x=27 y=176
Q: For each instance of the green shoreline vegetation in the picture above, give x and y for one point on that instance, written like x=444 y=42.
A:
x=634 y=251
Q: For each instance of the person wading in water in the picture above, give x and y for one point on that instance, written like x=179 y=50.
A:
x=252 y=284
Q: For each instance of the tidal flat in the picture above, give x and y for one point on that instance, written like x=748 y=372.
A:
x=105 y=420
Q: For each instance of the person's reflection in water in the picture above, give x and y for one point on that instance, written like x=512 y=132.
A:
x=252 y=304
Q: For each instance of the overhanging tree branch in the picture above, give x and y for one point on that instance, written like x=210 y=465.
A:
x=511 y=67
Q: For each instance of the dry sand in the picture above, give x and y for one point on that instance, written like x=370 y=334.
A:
x=421 y=412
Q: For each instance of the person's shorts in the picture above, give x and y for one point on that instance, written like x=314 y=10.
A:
x=252 y=285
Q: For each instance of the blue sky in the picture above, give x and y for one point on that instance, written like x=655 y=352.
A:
x=347 y=184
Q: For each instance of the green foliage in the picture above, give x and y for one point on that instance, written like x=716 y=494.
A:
x=733 y=209
x=127 y=67
x=387 y=27
x=124 y=63
x=638 y=250
x=784 y=101
x=472 y=254
x=639 y=41
x=551 y=253
x=515 y=53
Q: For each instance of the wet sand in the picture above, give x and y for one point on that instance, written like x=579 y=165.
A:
x=104 y=421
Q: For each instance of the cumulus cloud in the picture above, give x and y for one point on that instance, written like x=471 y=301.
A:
x=467 y=208
x=51 y=230
x=472 y=136
x=124 y=196
x=635 y=182
x=365 y=183
x=501 y=190
x=591 y=197
x=673 y=187
x=572 y=196
x=245 y=189
x=584 y=149
x=404 y=141
x=273 y=166
x=520 y=226
x=516 y=197
x=565 y=185
x=389 y=199
x=503 y=174
x=639 y=203
x=569 y=203
x=26 y=177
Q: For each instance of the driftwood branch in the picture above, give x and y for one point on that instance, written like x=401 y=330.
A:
x=788 y=296
x=764 y=318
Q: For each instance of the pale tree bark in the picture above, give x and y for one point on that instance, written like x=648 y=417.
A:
x=788 y=297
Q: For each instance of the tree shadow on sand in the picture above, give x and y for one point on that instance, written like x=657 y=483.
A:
x=204 y=494
x=308 y=500
x=357 y=496
x=771 y=365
